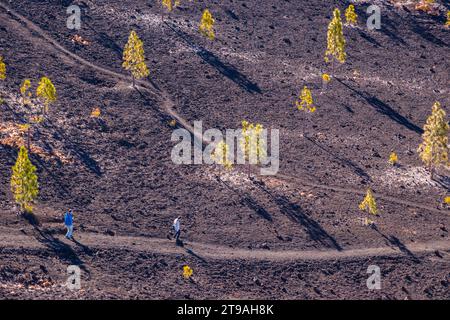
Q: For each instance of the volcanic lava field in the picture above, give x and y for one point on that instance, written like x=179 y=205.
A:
x=298 y=234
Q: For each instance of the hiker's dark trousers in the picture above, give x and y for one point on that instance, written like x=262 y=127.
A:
x=177 y=235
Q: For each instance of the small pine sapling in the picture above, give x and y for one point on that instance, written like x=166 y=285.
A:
x=257 y=145
x=221 y=156
x=46 y=92
x=369 y=204
x=350 y=16
x=206 y=27
x=305 y=101
x=96 y=112
x=187 y=272
x=335 y=40
x=433 y=151
x=24 y=182
x=134 y=58
x=2 y=69
x=25 y=93
x=393 y=159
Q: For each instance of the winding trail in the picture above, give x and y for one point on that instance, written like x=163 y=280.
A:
x=206 y=252
x=209 y=250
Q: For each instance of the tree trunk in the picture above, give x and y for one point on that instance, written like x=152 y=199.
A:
x=134 y=80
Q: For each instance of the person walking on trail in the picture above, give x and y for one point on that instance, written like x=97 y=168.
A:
x=177 y=228
x=68 y=222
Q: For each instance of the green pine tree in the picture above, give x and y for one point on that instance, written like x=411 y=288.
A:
x=24 y=181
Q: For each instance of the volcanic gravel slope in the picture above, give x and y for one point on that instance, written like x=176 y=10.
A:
x=295 y=235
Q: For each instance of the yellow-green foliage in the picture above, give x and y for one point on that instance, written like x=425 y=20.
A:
x=257 y=144
x=133 y=57
x=187 y=272
x=221 y=155
x=170 y=4
x=46 y=91
x=448 y=19
x=24 y=91
x=393 y=158
x=335 y=39
x=24 y=181
x=433 y=150
x=350 y=15
x=305 y=101
x=369 y=203
x=207 y=25
x=252 y=144
x=2 y=69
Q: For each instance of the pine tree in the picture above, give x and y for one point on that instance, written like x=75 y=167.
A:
x=2 y=69
x=350 y=15
x=221 y=155
x=169 y=5
x=433 y=150
x=393 y=158
x=134 y=59
x=369 y=203
x=305 y=101
x=257 y=144
x=335 y=39
x=24 y=181
x=24 y=91
x=47 y=92
x=207 y=25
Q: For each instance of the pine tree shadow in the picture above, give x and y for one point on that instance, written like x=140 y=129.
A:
x=396 y=243
x=343 y=161
x=225 y=69
x=62 y=250
x=296 y=214
x=383 y=108
x=250 y=202
x=74 y=148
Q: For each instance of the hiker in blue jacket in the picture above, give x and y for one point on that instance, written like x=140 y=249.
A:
x=68 y=221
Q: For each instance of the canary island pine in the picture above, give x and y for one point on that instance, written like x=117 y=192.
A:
x=24 y=91
x=24 y=181
x=46 y=92
x=350 y=15
x=369 y=204
x=305 y=101
x=2 y=69
x=335 y=39
x=257 y=146
x=433 y=151
x=393 y=158
x=206 y=27
x=221 y=155
x=187 y=272
x=134 y=58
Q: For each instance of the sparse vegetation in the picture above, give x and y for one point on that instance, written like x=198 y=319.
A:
x=206 y=27
x=305 y=101
x=134 y=59
x=96 y=112
x=369 y=204
x=46 y=92
x=335 y=39
x=187 y=272
x=2 y=69
x=221 y=155
x=24 y=182
x=433 y=150
x=350 y=16
x=393 y=158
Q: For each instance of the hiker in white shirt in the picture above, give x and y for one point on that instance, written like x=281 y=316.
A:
x=176 y=228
